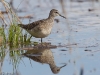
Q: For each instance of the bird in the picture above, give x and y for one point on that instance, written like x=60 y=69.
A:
x=44 y=56
x=41 y=28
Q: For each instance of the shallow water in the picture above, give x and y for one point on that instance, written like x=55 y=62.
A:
x=79 y=39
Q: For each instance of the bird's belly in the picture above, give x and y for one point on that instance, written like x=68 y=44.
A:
x=39 y=34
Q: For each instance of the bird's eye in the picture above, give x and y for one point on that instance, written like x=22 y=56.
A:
x=56 y=12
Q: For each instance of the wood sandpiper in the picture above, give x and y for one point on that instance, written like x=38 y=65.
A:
x=44 y=56
x=41 y=28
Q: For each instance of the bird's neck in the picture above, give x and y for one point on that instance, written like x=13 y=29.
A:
x=51 y=17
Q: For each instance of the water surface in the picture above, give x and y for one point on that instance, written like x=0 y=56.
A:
x=78 y=38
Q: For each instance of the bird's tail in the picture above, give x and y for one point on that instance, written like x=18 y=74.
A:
x=23 y=26
x=20 y=25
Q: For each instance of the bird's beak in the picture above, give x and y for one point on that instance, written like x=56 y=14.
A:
x=62 y=16
x=63 y=66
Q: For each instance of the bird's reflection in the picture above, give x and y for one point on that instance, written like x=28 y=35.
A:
x=43 y=56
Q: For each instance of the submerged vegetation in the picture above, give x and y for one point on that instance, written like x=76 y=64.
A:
x=11 y=36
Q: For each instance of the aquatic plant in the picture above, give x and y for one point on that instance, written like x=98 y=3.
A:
x=14 y=36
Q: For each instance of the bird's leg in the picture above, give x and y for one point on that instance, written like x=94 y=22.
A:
x=41 y=40
x=30 y=37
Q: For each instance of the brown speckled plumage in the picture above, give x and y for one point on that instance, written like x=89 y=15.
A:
x=30 y=25
x=41 y=28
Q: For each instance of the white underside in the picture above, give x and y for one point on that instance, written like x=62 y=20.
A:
x=39 y=34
